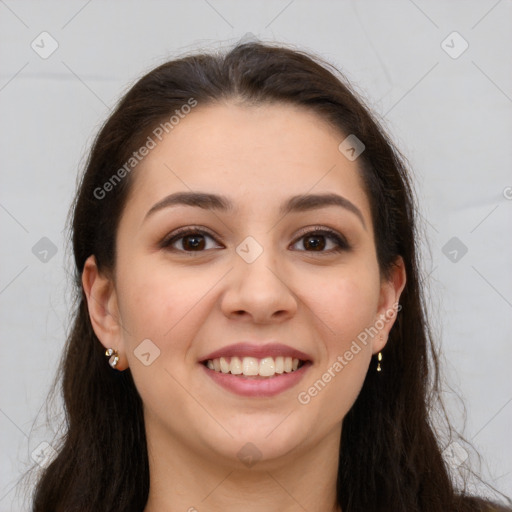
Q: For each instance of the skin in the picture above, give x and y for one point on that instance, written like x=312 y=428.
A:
x=191 y=304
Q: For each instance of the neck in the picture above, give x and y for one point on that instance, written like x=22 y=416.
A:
x=184 y=479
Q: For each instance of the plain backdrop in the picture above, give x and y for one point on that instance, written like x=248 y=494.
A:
x=445 y=98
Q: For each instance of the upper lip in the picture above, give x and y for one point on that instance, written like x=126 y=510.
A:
x=244 y=349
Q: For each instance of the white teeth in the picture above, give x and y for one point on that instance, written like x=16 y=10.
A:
x=267 y=367
x=224 y=365
x=252 y=366
x=236 y=366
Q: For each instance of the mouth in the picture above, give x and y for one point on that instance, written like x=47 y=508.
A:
x=252 y=367
x=255 y=377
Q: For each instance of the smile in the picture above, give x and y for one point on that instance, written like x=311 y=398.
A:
x=252 y=377
x=252 y=366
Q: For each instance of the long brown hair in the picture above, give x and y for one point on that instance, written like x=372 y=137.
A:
x=391 y=456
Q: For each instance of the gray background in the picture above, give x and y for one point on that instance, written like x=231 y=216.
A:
x=450 y=116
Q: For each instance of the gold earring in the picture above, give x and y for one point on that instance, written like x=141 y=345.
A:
x=114 y=357
x=379 y=359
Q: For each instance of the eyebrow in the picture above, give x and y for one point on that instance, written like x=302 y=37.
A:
x=299 y=203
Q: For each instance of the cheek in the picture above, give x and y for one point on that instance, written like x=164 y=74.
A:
x=346 y=307
x=345 y=301
x=162 y=306
x=155 y=303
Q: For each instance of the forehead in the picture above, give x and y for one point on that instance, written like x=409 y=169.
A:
x=263 y=153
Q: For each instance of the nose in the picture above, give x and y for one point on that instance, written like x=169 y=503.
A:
x=259 y=291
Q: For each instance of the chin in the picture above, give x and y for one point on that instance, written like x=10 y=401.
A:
x=266 y=439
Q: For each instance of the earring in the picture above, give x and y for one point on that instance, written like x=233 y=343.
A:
x=379 y=356
x=114 y=357
x=379 y=359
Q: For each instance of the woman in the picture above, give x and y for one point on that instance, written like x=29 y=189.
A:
x=250 y=330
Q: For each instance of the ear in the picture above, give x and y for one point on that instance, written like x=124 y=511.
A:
x=390 y=292
x=103 y=310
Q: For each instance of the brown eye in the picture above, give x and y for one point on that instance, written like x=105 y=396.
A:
x=314 y=242
x=191 y=240
x=318 y=240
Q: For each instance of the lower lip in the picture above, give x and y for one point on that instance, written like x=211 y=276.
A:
x=257 y=387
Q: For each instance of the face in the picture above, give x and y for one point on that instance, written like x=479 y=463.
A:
x=265 y=264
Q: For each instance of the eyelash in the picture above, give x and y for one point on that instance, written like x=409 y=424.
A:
x=339 y=240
